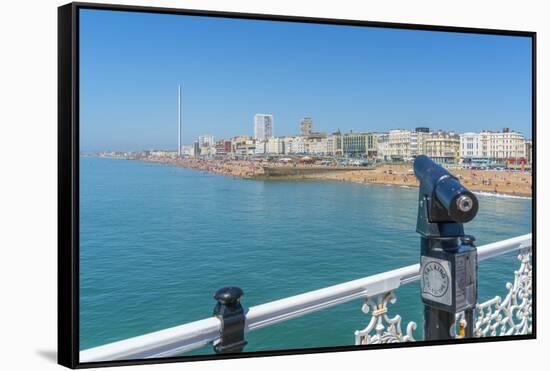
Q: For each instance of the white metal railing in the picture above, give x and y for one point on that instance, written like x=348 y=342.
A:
x=193 y=335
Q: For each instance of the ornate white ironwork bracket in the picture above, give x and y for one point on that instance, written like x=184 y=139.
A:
x=381 y=328
x=513 y=314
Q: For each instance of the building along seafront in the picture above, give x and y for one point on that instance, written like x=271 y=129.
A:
x=360 y=144
x=306 y=126
x=382 y=147
x=405 y=144
x=263 y=126
x=243 y=145
x=494 y=147
x=442 y=147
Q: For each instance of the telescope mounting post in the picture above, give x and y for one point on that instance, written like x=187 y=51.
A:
x=448 y=257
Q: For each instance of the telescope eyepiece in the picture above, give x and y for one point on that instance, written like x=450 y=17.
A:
x=461 y=204
x=464 y=203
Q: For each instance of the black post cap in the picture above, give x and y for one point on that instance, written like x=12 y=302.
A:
x=229 y=296
x=232 y=316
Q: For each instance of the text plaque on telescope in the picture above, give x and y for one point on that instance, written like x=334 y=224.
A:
x=436 y=280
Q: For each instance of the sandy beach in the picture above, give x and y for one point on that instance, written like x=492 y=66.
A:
x=506 y=182
x=515 y=183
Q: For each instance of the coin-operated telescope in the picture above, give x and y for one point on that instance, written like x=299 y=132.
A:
x=448 y=257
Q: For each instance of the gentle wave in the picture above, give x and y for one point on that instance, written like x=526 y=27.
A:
x=501 y=195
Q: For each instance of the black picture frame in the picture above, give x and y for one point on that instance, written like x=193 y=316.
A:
x=68 y=178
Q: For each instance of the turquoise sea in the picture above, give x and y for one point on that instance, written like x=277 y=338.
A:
x=156 y=241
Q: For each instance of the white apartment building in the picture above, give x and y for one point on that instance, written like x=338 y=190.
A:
x=318 y=146
x=263 y=126
x=419 y=136
x=471 y=146
x=405 y=144
x=287 y=144
x=206 y=141
x=493 y=146
x=401 y=145
x=275 y=146
x=332 y=144
x=260 y=147
x=506 y=145
x=382 y=147
x=298 y=145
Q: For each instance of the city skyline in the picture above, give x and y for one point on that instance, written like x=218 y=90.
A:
x=450 y=81
x=395 y=145
x=297 y=133
x=314 y=132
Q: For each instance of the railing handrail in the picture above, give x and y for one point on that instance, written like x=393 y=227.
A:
x=193 y=335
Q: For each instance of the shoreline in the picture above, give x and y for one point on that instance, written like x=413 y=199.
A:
x=490 y=183
x=519 y=196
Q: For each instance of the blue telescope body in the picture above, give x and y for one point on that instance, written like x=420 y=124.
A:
x=448 y=200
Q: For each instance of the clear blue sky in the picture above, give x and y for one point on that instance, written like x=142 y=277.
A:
x=351 y=78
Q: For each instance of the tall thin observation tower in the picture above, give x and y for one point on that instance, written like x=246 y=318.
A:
x=179 y=120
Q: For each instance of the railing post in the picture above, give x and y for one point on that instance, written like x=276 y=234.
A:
x=231 y=314
x=448 y=257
